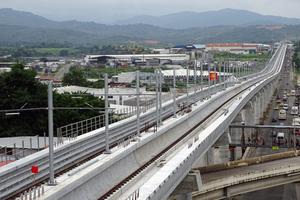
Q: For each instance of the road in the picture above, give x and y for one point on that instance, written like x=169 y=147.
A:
x=62 y=71
x=288 y=191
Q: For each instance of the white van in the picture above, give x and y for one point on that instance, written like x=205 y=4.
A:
x=294 y=110
x=280 y=138
x=293 y=92
x=296 y=122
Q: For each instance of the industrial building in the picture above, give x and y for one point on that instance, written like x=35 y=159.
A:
x=138 y=59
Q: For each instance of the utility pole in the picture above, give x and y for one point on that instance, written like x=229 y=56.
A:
x=107 y=151
x=50 y=129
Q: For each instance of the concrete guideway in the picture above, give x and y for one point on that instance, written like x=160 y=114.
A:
x=124 y=161
x=154 y=189
x=114 y=169
x=238 y=177
x=172 y=159
x=158 y=141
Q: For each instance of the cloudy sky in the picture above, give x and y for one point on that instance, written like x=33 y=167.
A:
x=108 y=11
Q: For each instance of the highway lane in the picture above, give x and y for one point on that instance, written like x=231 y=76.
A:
x=287 y=191
x=62 y=71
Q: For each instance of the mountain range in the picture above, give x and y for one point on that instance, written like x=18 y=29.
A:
x=223 y=17
x=227 y=25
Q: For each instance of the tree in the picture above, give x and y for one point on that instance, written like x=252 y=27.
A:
x=43 y=59
x=97 y=84
x=64 y=53
x=75 y=77
x=19 y=87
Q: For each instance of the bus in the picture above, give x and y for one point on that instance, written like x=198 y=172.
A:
x=282 y=114
x=293 y=93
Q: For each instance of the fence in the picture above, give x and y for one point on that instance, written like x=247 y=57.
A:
x=71 y=131
x=21 y=149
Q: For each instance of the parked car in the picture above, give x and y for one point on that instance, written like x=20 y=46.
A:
x=274 y=119
x=281 y=124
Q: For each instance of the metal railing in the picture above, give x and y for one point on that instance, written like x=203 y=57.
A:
x=71 y=131
x=20 y=149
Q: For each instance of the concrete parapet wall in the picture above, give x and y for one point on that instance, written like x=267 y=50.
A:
x=250 y=161
x=248 y=182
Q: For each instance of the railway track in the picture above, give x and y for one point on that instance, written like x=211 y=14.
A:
x=107 y=195
x=78 y=163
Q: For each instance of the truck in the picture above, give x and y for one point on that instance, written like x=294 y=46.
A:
x=53 y=69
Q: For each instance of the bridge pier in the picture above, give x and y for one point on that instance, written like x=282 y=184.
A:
x=265 y=99
x=255 y=101
x=249 y=117
x=260 y=104
x=236 y=133
x=192 y=182
x=224 y=153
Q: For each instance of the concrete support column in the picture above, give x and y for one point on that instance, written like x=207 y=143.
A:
x=224 y=153
x=255 y=104
x=207 y=159
x=249 y=117
x=265 y=100
x=210 y=156
x=260 y=104
x=236 y=133
x=269 y=93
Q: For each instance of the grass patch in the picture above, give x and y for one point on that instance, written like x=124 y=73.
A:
x=264 y=118
x=275 y=92
x=295 y=80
